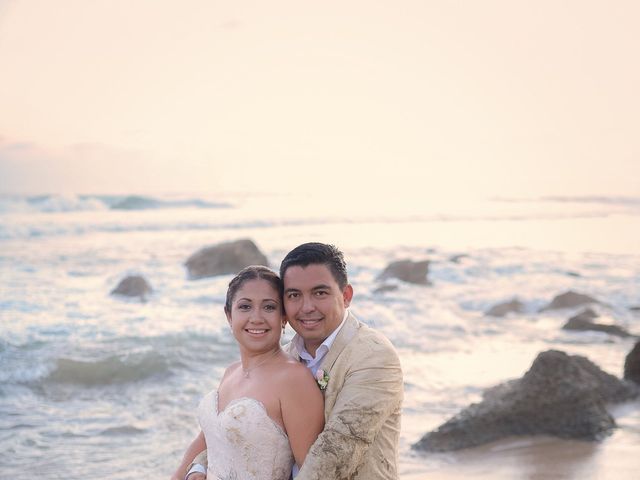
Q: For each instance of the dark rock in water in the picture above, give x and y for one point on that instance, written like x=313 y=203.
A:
x=133 y=286
x=635 y=309
x=224 y=258
x=407 y=271
x=632 y=364
x=569 y=299
x=582 y=322
x=457 y=258
x=561 y=395
x=502 y=309
x=586 y=315
x=386 y=288
x=573 y=274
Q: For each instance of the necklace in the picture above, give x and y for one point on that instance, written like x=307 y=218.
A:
x=247 y=371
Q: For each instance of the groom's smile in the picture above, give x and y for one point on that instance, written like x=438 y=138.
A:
x=314 y=303
x=309 y=322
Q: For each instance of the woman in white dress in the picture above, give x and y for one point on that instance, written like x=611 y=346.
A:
x=268 y=409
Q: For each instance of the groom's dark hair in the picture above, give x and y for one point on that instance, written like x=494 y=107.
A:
x=314 y=253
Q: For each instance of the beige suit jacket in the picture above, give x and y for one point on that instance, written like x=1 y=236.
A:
x=362 y=409
x=362 y=406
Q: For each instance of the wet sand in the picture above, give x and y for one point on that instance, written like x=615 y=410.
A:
x=536 y=458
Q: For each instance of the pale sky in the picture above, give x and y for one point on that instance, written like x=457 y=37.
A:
x=495 y=98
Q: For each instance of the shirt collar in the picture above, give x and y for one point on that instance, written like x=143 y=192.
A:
x=324 y=347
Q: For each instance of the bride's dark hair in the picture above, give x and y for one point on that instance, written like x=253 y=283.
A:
x=252 y=272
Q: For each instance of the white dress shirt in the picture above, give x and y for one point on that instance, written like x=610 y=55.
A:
x=310 y=361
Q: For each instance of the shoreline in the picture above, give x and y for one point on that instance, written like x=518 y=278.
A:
x=533 y=458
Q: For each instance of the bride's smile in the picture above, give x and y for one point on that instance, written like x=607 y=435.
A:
x=256 y=317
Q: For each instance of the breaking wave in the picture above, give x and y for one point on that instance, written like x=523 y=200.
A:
x=110 y=370
x=625 y=201
x=78 y=203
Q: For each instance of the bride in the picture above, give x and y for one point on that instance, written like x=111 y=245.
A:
x=268 y=409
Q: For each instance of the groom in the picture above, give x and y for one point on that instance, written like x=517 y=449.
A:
x=357 y=365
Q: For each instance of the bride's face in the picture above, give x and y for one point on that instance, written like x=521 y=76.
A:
x=256 y=315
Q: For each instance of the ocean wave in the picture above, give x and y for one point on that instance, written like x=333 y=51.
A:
x=48 y=229
x=115 y=361
x=136 y=202
x=595 y=199
x=14 y=360
x=123 y=430
x=605 y=200
x=77 y=203
x=110 y=370
x=50 y=204
x=53 y=229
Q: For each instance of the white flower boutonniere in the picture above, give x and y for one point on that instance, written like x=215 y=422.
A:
x=322 y=378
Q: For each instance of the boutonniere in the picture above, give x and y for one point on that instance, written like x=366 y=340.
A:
x=322 y=378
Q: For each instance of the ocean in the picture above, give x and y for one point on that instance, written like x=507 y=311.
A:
x=97 y=386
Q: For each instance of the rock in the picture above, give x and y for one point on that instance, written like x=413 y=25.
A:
x=635 y=309
x=569 y=299
x=502 y=309
x=458 y=257
x=407 y=271
x=561 y=395
x=583 y=322
x=632 y=364
x=224 y=258
x=386 y=288
x=133 y=286
x=585 y=315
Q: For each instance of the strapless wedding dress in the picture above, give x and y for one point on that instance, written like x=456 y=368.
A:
x=243 y=442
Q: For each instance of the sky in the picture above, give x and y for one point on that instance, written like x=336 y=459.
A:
x=367 y=97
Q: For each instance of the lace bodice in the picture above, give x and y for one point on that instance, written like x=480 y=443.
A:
x=243 y=442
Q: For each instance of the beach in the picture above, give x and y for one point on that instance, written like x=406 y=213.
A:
x=100 y=386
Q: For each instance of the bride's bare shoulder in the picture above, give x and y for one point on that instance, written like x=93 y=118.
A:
x=293 y=372
x=230 y=369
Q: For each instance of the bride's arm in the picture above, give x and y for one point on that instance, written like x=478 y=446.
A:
x=197 y=446
x=302 y=407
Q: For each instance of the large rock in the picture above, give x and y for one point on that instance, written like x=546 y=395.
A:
x=583 y=322
x=502 y=309
x=224 y=258
x=632 y=364
x=561 y=395
x=569 y=299
x=407 y=271
x=133 y=286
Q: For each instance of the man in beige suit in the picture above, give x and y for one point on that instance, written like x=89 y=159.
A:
x=357 y=368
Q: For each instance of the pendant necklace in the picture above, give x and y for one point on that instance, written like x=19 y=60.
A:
x=247 y=371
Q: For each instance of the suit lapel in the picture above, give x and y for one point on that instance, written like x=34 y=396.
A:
x=349 y=329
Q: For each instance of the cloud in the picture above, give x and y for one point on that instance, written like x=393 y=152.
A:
x=27 y=167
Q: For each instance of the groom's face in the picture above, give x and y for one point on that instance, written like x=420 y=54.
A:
x=314 y=303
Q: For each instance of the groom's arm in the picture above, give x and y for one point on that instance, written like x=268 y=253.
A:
x=372 y=391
